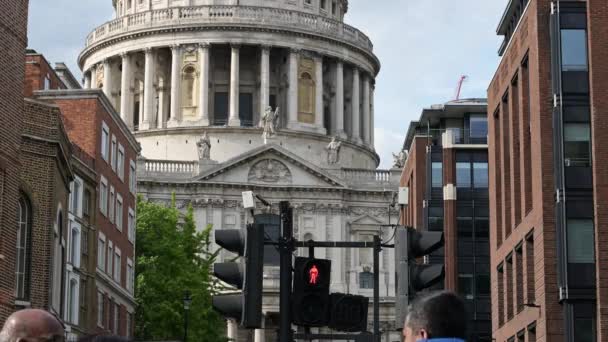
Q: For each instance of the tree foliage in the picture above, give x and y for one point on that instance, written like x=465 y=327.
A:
x=171 y=258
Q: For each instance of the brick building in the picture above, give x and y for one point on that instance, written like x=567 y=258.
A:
x=95 y=127
x=446 y=171
x=13 y=40
x=548 y=178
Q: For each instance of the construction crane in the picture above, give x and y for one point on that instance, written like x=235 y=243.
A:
x=461 y=81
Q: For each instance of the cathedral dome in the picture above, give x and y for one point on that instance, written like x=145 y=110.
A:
x=175 y=69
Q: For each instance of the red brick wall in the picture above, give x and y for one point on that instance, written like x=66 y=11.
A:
x=414 y=177
x=598 y=56
x=521 y=185
x=13 y=40
x=45 y=180
x=37 y=69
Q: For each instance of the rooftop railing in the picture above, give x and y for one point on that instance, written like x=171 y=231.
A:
x=231 y=15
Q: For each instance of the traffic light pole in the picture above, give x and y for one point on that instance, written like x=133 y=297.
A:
x=286 y=248
x=377 y=250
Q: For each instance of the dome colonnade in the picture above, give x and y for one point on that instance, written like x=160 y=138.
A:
x=221 y=65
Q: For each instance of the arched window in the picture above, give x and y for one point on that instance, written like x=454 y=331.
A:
x=189 y=86
x=72 y=305
x=306 y=98
x=23 y=260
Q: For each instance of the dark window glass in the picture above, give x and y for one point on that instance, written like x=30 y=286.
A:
x=246 y=109
x=464 y=227
x=463 y=175
x=220 y=110
x=577 y=149
x=574 y=50
x=580 y=242
x=435 y=223
x=437 y=175
x=482 y=227
x=465 y=247
x=366 y=280
x=583 y=330
x=482 y=284
x=478 y=125
x=465 y=286
x=480 y=175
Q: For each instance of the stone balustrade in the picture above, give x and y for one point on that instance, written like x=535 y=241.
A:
x=232 y=15
x=169 y=169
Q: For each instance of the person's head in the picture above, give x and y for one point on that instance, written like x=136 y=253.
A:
x=436 y=315
x=32 y=325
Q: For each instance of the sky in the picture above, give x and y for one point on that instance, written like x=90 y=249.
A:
x=424 y=46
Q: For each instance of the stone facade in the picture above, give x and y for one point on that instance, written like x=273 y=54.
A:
x=194 y=79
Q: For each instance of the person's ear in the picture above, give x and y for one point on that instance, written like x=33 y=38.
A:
x=423 y=334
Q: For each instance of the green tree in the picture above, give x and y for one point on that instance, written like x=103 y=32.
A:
x=171 y=258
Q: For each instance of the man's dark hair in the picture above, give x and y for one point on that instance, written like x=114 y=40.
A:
x=442 y=314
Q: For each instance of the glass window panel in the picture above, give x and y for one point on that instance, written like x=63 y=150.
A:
x=465 y=285
x=478 y=125
x=583 y=330
x=574 y=50
x=480 y=175
x=437 y=175
x=366 y=280
x=482 y=284
x=580 y=242
x=463 y=175
x=464 y=227
x=482 y=227
x=436 y=223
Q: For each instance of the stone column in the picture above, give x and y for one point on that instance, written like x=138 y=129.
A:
x=292 y=94
x=203 y=103
x=233 y=117
x=372 y=117
x=107 y=79
x=366 y=111
x=87 y=79
x=356 y=118
x=162 y=103
x=149 y=74
x=339 y=110
x=319 y=115
x=126 y=108
x=176 y=110
x=93 y=72
x=264 y=79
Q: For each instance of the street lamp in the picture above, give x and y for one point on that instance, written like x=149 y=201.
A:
x=187 y=302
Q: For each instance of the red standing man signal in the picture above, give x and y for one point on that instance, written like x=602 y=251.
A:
x=313 y=275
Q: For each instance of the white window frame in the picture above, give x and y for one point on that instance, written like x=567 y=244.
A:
x=131 y=225
x=120 y=162
x=132 y=177
x=130 y=276
x=119 y=212
x=74 y=244
x=111 y=212
x=100 y=309
x=105 y=141
x=76 y=196
x=72 y=299
x=113 y=153
x=103 y=196
x=117 y=264
x=116 y=317
x=110 y=256
x=101 y=252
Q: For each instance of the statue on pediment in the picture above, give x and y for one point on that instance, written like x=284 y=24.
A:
x=269 y=123
x=204 y=147
x=333 y=151
x=399 y=159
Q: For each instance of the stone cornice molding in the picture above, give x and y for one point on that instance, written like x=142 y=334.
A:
x=227 y=27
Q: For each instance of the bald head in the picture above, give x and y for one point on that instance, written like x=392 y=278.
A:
x=32 y=325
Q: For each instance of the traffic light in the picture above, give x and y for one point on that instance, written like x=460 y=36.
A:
x=348 y=313
x=245 y=307
x=411 y=277
x=310 y=296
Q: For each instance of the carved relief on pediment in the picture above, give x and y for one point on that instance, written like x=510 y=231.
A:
x=270 y=171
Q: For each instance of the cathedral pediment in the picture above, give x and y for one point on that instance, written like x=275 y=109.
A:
x=270 y=165
x=366 y=220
